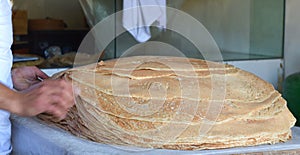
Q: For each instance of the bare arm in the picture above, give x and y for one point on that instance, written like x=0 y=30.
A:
x=6 y=96
x=53 y=97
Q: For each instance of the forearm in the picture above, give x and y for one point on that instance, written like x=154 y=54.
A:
x=8 y=99
x=53 y=97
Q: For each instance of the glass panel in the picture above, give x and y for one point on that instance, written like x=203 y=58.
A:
x=101 y=9
x=243 y=29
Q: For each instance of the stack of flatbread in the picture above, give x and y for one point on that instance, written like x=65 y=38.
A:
x=174 y=103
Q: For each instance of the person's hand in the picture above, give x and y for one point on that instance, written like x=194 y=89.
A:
x=24 y=77
x=53 y=97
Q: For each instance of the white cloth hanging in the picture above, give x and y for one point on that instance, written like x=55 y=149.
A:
x=5 y=75
x=139 y=15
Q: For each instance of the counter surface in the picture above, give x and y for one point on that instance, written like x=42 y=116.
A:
x=31 y=136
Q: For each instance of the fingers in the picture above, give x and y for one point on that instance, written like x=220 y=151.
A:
x=61 y=99
x=57 y=112
x=24 y=77
x=53 y=97
x=39 y=73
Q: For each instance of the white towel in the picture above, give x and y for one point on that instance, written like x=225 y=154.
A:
x=139 y=15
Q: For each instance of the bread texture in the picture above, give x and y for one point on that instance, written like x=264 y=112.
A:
x=174 y=103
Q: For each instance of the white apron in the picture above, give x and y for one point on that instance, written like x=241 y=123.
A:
x=5 y=68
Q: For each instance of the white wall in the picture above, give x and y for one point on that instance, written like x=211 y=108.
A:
x=68 y=10
x=292 y=37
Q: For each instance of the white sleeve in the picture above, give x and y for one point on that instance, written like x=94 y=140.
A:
x=6 y=40
x=5 y=67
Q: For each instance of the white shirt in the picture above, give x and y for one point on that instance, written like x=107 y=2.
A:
x=5 y=74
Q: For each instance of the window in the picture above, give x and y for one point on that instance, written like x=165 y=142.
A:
x=242 y=29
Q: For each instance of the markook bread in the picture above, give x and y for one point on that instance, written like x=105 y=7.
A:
x=174 y=103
